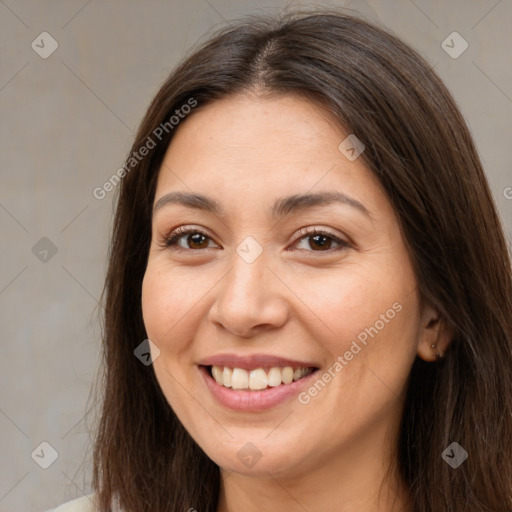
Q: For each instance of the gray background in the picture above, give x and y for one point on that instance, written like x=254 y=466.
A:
x=68 y=122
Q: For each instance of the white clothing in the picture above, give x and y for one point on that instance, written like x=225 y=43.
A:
x=83 y=504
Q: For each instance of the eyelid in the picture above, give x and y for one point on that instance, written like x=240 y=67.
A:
x=169 y=240
x=311 y=231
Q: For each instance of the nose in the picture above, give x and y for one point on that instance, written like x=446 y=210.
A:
x=250 y=299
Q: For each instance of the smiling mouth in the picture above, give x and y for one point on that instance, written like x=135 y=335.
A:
x=257 y=379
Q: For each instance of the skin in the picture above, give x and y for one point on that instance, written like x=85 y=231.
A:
x=295 y=300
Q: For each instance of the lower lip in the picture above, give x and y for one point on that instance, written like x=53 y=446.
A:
x=241 y=400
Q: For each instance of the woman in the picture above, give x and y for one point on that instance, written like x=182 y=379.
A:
x=309 y=298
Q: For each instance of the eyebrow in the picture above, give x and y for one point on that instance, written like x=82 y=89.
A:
x=283 y=206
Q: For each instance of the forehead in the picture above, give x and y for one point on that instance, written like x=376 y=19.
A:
x=251 y=129
x=250 y=148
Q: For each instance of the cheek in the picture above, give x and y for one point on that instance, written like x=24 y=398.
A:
x=349 y=302
x=372 y=319
x=168 y=314
x=167 y=306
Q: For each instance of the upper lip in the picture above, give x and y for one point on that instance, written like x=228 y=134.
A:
x=253 y=361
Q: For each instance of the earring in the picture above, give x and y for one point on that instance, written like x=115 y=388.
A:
x=438 y=355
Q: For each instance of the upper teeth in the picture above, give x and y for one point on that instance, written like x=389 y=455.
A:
x=238 y=378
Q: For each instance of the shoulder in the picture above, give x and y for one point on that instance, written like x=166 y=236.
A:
x=83 y=504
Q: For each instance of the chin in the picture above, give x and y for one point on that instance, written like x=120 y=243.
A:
x=257 y=458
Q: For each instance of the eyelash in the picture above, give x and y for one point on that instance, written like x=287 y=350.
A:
x=174 y=236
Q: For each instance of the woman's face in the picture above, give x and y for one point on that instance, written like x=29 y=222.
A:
x=288 y=263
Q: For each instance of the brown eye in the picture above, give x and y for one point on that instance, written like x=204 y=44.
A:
x=197 y=241
x=321 y=242
x=318 y=241
x=188 y=239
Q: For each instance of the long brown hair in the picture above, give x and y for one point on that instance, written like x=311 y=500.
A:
x=419 y=147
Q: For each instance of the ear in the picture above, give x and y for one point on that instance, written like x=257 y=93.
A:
x=435 y=335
